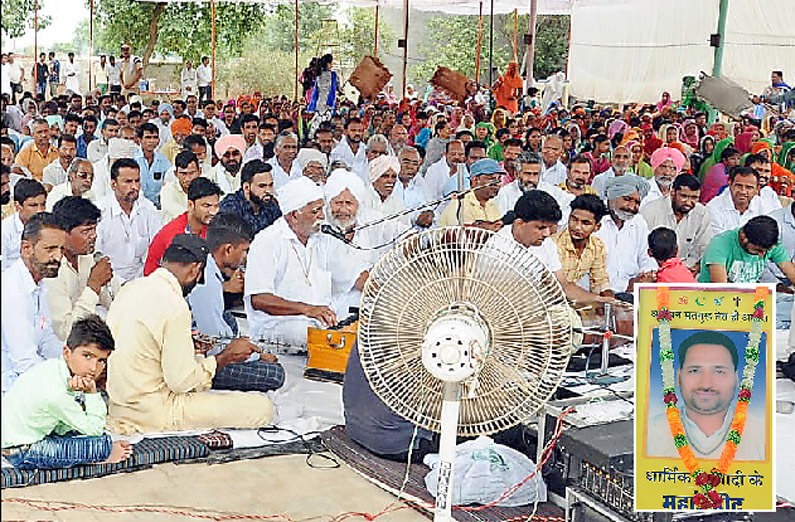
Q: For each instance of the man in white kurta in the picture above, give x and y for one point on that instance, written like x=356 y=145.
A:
x=287 y=288
x=625 y=234
x=529 y=178
x=350 y=266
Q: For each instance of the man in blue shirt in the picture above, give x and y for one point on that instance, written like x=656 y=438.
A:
x=90 y=124
x=254 y=202
x=228 y=239
x=153 y=164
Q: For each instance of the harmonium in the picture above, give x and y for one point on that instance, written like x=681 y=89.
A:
x=328 y=349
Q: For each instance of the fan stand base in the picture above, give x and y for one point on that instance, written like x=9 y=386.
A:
x=606 y=379
x=447 y=444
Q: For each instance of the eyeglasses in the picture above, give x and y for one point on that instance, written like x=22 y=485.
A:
x=85 y=175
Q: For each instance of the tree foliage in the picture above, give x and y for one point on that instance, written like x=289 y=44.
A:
x=452 y=43
x=278 y=30
x=182 y=29
x=17 y=17
x=358 y=35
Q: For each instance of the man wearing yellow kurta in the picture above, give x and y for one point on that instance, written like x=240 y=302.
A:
x=156 y=382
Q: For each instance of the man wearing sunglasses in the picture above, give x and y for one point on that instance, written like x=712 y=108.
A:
x=80 y=176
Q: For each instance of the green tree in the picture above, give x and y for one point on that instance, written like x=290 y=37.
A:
x=17 y=17
x=278 y=33
x=183 y=29
x=454 y=45
x=359 y=34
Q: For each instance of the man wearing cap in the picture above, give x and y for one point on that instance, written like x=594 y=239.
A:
x=666 y=163
x=313 y=165
x=478 y=207
x=153 y=164
x=625 y=234
x=128 y=223
x=166 y=113
x=203 y=203
x=682 y=213
x=283 y=162
x=254 y=202
x=345 y=194
x=156 y=381
x=383 y=178
x=180 y=129
x=229 y=150
x=287 y=288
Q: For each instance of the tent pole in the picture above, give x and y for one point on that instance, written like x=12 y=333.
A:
x=295 y=42
x=718 y=61
x=90 y=44
x=375 y=32
x=531 y=46
x=212 y=30
x=405 y=43
x=515 y=35
x=479 y=43
x=35 y=44
x=491 y=53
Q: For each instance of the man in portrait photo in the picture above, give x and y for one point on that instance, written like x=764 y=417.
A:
x=707 y=369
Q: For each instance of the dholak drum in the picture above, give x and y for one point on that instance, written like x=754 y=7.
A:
x=620 y=320
x=328 y=351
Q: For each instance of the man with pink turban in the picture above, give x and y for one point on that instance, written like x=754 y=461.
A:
x=667 y=163
x=229 y=150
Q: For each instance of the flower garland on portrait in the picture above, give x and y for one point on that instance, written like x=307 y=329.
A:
x=707 y=481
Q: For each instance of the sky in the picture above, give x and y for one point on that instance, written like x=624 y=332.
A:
x=65 y=15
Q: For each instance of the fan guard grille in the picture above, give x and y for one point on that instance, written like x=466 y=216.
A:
x=523 y=304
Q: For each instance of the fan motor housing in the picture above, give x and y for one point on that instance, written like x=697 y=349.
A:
x=456 y=343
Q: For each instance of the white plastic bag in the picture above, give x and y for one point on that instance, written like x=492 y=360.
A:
x=484 y=470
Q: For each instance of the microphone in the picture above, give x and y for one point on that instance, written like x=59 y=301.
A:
x=334 y=232
x=98 y=256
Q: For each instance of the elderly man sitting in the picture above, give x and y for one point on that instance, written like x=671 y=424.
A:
x=287 y=289
x=349 y=266
x=667 y=163
x=625 y=234
x=313 y=165
x=383 y=176
x=80 y=176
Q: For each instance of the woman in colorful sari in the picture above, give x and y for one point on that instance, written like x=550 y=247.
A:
x=705 y=148
x=639 y=164
x=690 y=135
x=717 y=177
x=714 y=158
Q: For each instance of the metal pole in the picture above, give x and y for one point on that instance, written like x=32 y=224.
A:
x=718 y=62
x=405 y=43
x=35 y=44
x=531 y=47
x=491 y=53
x=479 y=43
x=212 y=37
x=295 y=42
x=90 y=44
x=375 y=38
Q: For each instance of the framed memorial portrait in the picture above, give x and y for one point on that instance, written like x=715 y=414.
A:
x=704 y=389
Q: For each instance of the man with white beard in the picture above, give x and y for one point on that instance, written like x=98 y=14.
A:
x=621 y=162
x=287 y=288
x=383 y=177
x=667 y=163
x=528 y=178
x=350 y=266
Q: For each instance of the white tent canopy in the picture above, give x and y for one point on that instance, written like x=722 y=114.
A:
x=635 y=49
x=632 y=50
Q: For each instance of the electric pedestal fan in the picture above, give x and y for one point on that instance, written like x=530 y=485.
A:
x=463 y=332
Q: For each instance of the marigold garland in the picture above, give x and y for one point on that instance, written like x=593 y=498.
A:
x=709 y=497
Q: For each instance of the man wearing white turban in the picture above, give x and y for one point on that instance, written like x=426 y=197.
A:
x=287 y=287
x=625 y=234
x=313 y=165
x=383 y=172
x=350 y=266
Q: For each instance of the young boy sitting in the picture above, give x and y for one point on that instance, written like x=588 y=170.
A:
x=52 y=416
x=663 y=248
